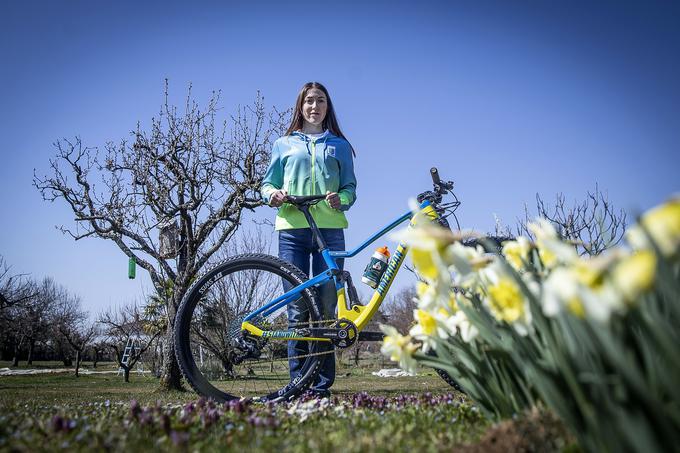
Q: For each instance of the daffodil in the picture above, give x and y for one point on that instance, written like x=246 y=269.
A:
x=517 y=252
x=426 y=242
x=426 y=321
x=466 y=262
x=634 y=275
x=582 y=291
x=551 y=249
x=461 y=324
x=399 y=348
x=663 y=225
x=430 y=327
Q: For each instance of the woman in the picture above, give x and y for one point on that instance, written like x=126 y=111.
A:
x=312 y=158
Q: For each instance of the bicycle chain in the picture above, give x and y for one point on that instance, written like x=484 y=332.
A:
x=315 y=354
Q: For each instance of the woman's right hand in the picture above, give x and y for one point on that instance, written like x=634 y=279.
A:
x=278 y=198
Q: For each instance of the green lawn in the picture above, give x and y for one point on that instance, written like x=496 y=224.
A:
x=101 y=412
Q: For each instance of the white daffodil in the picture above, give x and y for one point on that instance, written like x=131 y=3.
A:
x=435 y=296
x=461 y=324
x=398 y=348
x=467 y=262
x=430 y=326
x=583 y=289
x=551 y=249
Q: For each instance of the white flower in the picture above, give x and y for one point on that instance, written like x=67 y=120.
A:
x=398 y=348
x=583 y=290
x=551 y=249
x=467 y=262
x=430 y=326
x=461 y=324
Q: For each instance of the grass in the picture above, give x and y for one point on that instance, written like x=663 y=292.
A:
x=48 y=412
x=65 y=388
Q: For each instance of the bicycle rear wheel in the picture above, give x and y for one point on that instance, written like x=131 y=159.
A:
x=221 y=362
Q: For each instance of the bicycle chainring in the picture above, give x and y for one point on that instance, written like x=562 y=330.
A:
x=348 y=334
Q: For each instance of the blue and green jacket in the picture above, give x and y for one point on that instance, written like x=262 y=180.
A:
x=305 y=166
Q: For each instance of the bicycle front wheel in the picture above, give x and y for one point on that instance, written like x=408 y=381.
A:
x=223 y=363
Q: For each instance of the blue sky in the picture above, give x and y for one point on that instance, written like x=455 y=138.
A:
x=506 y=99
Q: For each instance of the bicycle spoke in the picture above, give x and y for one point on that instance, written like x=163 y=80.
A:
x=238 y=364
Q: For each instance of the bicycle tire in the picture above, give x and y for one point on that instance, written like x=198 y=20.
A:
x=207 y=292
x=445 y=375
x=449 y=380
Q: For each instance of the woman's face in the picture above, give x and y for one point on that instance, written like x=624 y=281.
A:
x=314 y=106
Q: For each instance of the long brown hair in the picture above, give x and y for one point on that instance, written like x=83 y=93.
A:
x=330 y=122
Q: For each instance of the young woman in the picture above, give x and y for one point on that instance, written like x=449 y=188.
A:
x=312 y=158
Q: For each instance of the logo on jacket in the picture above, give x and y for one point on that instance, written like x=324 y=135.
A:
x=331 y=151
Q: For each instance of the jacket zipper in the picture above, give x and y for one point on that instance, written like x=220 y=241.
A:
x=313 y=167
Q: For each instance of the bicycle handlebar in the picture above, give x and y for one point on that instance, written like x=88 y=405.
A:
x=435 y=176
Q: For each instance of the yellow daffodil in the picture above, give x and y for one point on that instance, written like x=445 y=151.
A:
x=635 y=274
x=506 y=301
x=426 y=321
x=517 y=252
x=663 y=225
x=425 y=263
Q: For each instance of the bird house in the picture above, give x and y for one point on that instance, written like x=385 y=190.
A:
x=167 y=238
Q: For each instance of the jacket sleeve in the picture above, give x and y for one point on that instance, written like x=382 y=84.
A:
x=273 y=177
x=348 y=182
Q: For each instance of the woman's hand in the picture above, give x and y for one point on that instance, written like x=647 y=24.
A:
x=278 y=198
x=333 y=200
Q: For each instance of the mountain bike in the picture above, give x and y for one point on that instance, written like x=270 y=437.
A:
x=232 y=331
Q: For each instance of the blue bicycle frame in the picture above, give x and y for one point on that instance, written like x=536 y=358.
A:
x=360 y=315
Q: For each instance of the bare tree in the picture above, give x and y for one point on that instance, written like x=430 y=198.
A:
x=14 y=288
x=399 y=309
x=592 y=225
x=98 y=346
x=187 y=175
x=30 y=319
x=71 y=323
x=128 y=326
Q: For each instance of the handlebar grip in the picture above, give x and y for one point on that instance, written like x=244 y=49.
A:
x=435 y=175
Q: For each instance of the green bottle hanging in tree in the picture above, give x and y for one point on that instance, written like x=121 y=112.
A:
x=132 y=267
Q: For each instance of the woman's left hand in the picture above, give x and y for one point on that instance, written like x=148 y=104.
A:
x=333 y=200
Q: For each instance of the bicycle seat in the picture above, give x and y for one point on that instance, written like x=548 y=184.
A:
x=304 y=200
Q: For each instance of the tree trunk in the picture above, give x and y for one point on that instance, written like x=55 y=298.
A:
x=17 y=351
x=15 y=362
x=77 y=362
x=171 y=376
x=31 y=346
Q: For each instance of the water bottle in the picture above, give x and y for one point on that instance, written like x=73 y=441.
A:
x=376 y=267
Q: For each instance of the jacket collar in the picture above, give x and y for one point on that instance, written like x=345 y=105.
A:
x=306 y=138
